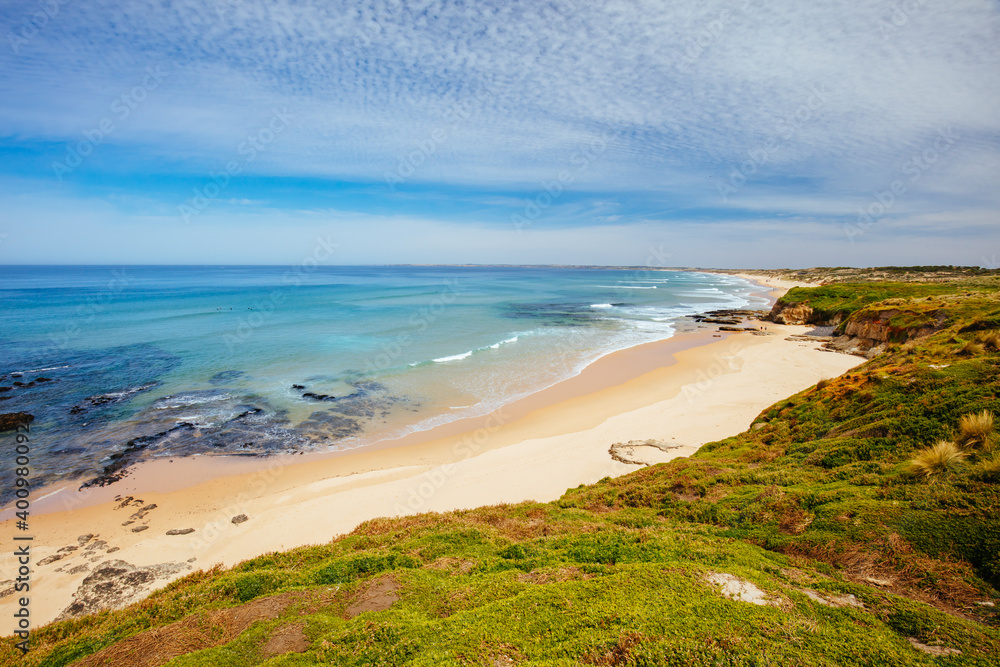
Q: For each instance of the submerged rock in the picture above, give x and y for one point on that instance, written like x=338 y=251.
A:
x=225 y=376
x=14 y=420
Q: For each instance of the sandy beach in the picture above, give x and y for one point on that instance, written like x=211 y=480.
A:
x=666 y=398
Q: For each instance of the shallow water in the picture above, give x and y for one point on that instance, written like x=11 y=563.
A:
x=123 y=363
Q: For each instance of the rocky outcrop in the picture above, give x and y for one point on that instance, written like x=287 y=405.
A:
x=13 y=420
x=800 y=313
x=870 y=332
x=794 y=313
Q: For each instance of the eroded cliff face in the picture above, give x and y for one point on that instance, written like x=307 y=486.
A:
x=799 y=313
x=865 y=333
x=869 y=332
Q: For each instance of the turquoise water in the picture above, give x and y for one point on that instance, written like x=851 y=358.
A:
x=122 y=363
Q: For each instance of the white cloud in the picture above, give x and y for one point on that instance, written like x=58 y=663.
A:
x=502 y=96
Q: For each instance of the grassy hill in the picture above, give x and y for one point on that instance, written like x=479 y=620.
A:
x=811 y=539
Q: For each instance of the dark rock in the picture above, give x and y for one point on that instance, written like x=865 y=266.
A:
x=43 y=379
x=115 y=584
x=240 y=518
x=51 y=559
x=120 y=396
x=318 y=397
x=246 y=413
x=298 y=386
x=5 y=388
x=116 y=470
x=142 y=512
x=83 y=539
x=19 y=384
x=14 y=420
x=180 y=531
x=139 y=529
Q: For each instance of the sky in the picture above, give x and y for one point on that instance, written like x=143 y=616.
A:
x=737 y=134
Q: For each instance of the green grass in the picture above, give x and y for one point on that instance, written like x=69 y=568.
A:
x=822 y=497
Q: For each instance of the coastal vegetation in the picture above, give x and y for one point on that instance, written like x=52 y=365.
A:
x=854 y=523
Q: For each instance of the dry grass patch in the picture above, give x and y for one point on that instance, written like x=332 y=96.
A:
x=158 y=646
x=974 y=430
x=939 y=462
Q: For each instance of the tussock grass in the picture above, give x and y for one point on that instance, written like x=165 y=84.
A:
x=971 y=349
x=989 y=470
x=975 y=430
x=939 y=462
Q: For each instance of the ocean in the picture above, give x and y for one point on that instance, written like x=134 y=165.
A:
x=118 y=364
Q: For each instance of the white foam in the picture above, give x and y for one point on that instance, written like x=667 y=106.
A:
x=177 y=402
x=42 y=370
x=627 y=286
x=601 y=305
x=496 y=346
x=466 y=355
x=454 y=357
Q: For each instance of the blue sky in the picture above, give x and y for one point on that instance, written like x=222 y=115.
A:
x=739 y=133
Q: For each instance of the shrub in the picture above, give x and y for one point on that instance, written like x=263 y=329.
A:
x=344 y=571
x=938 y=462
x=974 y=430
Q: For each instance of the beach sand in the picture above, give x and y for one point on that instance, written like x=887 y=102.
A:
x=679 y=393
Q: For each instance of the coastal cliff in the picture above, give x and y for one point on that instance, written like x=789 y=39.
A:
x=867 y=330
